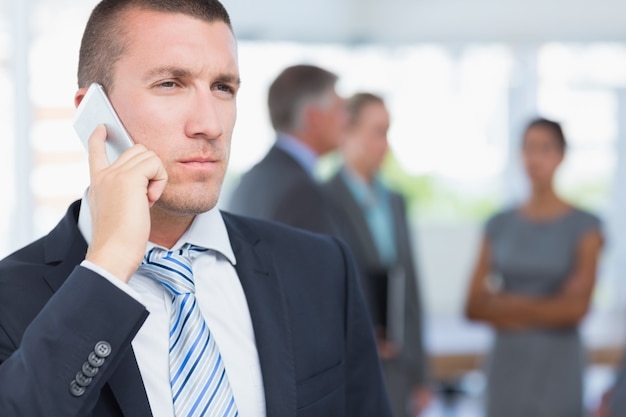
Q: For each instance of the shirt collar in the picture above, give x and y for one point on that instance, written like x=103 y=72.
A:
x=305 y=156
x=207 y=230
x=364 y=193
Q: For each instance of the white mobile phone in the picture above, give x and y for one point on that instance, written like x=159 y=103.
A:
x=96 y=109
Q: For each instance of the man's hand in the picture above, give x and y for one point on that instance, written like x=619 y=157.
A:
x=387 y=350
x=421 y=398
x=120 y=196
x=603 y=409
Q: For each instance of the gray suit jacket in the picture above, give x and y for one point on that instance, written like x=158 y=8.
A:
x=279 y=189
x=410 y=368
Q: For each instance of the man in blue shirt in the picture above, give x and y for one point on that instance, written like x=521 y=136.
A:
x=374 y=224
x=309 y=118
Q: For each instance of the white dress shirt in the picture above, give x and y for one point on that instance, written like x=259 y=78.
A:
x=222 y=302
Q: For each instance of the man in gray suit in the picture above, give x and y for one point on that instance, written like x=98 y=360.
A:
x=309 y=118
x=374 y=224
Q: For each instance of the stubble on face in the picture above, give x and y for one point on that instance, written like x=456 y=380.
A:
x=192 y=196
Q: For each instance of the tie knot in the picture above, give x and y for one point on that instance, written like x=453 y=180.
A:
x=172 y=268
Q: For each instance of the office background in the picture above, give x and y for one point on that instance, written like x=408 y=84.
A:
x=461 y=78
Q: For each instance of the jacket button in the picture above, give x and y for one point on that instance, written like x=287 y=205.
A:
x=83 y=380
x=95 y=360
x=102 y=349
x=89 y=370
x=76 y=390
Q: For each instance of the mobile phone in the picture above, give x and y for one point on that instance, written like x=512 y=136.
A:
x=96 y=109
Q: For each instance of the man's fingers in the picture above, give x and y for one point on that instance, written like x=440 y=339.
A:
x=157 y=177
x=98 y=159
x=97 y=150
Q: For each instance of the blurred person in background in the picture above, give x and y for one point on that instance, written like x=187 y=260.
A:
x=374 y=223
x=309 y=117
x=533 y=282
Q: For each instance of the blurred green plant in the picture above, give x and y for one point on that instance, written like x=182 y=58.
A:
x=431 y=199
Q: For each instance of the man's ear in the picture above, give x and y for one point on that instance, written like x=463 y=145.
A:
x=78 y=97
x=311 y=116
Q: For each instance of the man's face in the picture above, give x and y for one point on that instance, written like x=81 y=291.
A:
x=367 y=138
x=331 y=123
x=174 y=89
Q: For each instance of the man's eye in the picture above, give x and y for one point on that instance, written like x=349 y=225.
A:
x=225 y=88
x=167 y=84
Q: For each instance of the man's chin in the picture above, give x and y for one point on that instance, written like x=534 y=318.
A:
x=184 y=207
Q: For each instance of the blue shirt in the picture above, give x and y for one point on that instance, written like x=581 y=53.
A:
x=299 y=151
x=375 y=203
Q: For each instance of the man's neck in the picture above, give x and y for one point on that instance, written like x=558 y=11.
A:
x=307 y=140
x=166 y=228
x=300 y=151
x=366 y=176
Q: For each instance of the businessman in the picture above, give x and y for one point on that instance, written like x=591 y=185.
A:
x=145 y=300
x=309 y=117
x=374 y=224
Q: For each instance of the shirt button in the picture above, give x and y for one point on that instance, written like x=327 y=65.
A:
x=89 y=370
x=76 y=390
x=95 y=360
x=102 y=349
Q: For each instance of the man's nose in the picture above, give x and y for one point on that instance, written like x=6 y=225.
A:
x=204 y=118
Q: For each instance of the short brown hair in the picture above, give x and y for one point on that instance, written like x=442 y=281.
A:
x=292 y=89
x=103 y=39
x=356 y=103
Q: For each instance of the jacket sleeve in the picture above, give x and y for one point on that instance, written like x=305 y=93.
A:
x=69 y=350
x=366 y=395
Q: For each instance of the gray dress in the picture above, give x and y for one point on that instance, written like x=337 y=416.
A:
x=536 y=372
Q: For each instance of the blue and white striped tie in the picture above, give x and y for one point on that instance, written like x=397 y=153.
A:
x=198 y=378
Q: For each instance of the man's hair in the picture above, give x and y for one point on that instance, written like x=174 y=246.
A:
x=358 y=101
x=294 y=89
x=103 y=42
x=552 y=126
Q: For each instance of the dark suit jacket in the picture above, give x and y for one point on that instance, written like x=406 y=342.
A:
x=278 y=188
x=410 y=369
x=311 y=327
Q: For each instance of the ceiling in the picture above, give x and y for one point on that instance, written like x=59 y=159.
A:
x=404 y=21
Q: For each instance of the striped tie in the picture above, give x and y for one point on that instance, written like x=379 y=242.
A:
x=198 y=378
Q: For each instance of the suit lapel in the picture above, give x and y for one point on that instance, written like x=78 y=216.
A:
x=65 y=248
x=270 y=318
x=354 y=214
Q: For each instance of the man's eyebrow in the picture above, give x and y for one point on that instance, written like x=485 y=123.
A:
x=229 y=79
x=178 y=72
x=168 y=71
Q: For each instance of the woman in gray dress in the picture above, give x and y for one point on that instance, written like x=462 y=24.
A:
x=533 y=282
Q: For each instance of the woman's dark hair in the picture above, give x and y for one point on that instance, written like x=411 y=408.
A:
x=552 y=126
